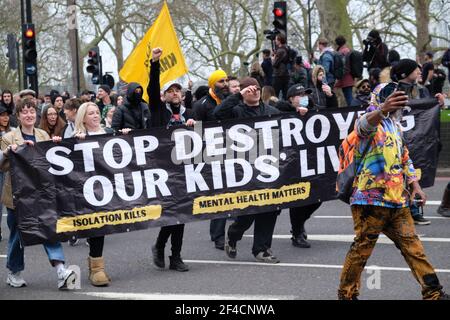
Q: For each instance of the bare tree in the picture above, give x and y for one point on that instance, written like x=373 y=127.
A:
x=334 y=19
x=220 y=33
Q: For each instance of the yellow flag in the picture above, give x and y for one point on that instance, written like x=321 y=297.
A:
x=161 y=34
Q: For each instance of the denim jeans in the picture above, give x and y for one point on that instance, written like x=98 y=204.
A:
x=415 y=211
x=15 y=260
x=348 y=94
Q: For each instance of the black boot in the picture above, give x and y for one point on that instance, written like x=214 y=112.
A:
x=300 y=241
x=158 y=258
x=177 y=264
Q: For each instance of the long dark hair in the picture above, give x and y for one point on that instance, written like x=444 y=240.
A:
x=44 y=125
x=7 y=128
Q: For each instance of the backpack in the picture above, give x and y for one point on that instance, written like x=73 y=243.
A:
x=347 y=169
x=355 y=62
x=290 y=57
x=446 y=59
x=338 y=67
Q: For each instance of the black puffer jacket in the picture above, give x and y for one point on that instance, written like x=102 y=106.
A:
x=204 y=108
x=132 y=114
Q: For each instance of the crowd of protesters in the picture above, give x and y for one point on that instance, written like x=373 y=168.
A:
x=277 y=84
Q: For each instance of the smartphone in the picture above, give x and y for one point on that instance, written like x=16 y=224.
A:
x=389 y=89
x=401 y=86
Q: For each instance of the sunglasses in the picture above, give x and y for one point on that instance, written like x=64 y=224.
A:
x=365 y=87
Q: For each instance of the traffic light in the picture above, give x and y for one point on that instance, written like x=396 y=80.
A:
x=280 y=17
x=12 y=51
x=95 y=65
x=29 y=49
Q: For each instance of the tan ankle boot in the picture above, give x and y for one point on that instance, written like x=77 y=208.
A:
x=97 y=274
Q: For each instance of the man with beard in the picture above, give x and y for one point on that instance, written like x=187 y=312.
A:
x=203 y=109
x=363 y=92
x=218 y=91
x=385 y=184
x=407 y=73
x=167 y=113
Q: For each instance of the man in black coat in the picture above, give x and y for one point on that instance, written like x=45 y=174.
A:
x=167 y=113
x=133 y=113
x=298 y=100
x=247 y=104
x=375 y=52
x=218 y=89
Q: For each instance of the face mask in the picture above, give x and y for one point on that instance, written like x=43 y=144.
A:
x=304 y=101
x=136 y=96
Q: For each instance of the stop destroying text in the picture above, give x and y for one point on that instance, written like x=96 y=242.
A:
x=191 y=148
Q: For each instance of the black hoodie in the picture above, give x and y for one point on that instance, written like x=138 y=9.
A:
x=134 y=113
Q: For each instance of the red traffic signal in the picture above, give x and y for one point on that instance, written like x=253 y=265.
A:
x=94 y=65
x=280 y=17
x=278 y=12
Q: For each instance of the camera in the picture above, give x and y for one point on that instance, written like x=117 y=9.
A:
x=368 y=41
x=271 y=34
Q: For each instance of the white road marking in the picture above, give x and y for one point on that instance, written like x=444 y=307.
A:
x=2 y=256
x=174 y=296
x=349 y=238
x=301 y=265
x=433 y=203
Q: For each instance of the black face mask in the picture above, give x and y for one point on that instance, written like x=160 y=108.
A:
x=135 y=97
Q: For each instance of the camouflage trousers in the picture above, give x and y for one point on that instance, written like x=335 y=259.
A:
x=397 y=225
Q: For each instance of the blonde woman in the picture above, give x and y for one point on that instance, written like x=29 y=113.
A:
x=87 y=123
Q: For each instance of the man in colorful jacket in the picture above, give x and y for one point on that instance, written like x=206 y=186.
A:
x=384 y=186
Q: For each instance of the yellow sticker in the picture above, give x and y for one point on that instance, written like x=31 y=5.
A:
x=244 y=199
x=101 y=219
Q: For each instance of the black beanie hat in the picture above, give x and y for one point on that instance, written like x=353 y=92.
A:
x=374 y=34
x=403 y=69
x=106 y=88
x=54 y=96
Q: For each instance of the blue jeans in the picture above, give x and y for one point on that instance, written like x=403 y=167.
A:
x=15 y=260
x=217 y=229
x=415 y=211
x=348 y=94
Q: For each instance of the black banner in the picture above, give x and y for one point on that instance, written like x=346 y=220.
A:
x=422 y=136
x=148 y=178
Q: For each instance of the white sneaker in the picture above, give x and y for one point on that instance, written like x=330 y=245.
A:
x=66 y=279
x=15 y=280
